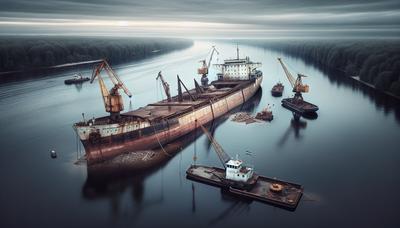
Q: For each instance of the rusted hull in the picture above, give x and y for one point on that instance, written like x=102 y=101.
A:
x=111 y=146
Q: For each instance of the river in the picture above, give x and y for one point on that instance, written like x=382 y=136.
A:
x=347 y=159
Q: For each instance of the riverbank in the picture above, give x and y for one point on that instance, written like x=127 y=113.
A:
x=21 y=54
x=377 y=62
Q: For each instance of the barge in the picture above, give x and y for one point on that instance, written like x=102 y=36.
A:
x=158 y=123
x=241 y=180
x=299 y=106
x=264 y=189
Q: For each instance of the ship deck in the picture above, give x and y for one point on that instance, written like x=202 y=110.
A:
x=287 y=198
x=164 y=109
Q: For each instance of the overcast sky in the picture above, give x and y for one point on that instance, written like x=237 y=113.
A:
x=204 y=18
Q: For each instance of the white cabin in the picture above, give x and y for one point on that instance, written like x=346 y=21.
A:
x=238 y=69
x=235 y=170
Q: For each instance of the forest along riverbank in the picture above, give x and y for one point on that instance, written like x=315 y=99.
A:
x=22 y=56
x=376 y=62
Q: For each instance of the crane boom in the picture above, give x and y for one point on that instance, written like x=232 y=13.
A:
x=203 y=70
x=165 y=85
x=297 y=83
x=112 y=99
x=222 y=155
x=288 y=74
x=212 y=53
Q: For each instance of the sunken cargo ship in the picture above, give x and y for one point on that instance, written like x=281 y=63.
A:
x=159 y=123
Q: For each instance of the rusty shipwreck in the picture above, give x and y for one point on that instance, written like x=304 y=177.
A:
x=159 y=123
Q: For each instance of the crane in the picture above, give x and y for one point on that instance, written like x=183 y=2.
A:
x=112 y=99
x=222 y=155
x=165 y=85
x=297 y=84
x=203 y=70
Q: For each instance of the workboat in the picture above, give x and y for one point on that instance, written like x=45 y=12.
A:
x=78 y=78
x=241 y=180
x=277 y=90
x=158 y=123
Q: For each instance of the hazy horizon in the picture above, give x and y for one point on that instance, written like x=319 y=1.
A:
x=202 y=19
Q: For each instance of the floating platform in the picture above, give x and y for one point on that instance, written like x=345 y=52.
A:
x=298 y=106
x=268 y=190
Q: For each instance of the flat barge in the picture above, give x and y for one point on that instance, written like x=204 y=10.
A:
x=299 y=106
x=268 y=190
x=158 y=123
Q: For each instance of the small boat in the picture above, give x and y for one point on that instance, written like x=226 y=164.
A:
x=265 y=114
x=78 y=78
x=277 y=90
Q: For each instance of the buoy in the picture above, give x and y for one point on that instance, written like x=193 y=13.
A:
x=53 y=154
x=276 y=187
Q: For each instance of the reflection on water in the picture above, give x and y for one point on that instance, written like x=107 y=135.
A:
x=381 y=100
x=296 y=125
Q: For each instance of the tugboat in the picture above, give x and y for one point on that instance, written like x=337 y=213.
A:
x=297 y=103
x=277 y=90
x=265 y=114
x=78 y=78
x=242 y=181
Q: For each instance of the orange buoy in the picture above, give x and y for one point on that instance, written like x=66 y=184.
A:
x=276 y=187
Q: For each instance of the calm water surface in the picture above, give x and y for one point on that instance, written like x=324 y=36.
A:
x=347 y=159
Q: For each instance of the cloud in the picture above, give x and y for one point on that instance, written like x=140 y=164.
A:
x=236 y=18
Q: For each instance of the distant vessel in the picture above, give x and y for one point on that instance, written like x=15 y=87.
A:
x=159 y=123
x=78 y=78
x=241 y=180
x=277 y=90
x=297 y=103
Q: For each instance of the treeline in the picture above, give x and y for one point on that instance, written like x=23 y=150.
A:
x=374 y=61
x=24 y=53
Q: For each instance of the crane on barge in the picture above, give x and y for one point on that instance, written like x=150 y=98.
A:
x=297 y=84
x=112 y=98
x=297 y=104
x=203 y=70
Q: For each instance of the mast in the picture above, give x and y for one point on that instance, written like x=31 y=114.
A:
x=237 y=51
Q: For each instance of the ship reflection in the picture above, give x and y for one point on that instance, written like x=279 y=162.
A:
x=296 y=125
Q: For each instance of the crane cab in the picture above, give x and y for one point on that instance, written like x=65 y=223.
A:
x=236 y=171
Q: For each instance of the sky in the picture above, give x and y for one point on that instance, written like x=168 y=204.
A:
x=203 y=18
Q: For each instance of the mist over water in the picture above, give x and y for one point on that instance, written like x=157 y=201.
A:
x=347 y=159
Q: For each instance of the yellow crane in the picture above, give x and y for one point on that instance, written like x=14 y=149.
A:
x=165 y=85
x=297 y=84
x=203 y=70
x=112 y=99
